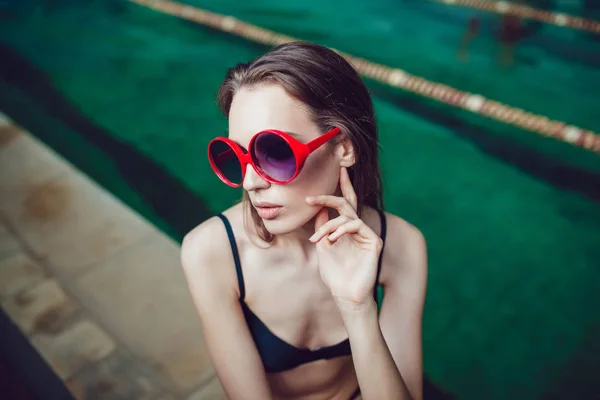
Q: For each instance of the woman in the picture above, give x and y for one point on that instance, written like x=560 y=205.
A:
x=284 y=282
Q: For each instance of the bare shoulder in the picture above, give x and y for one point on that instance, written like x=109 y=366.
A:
x=206 y=255
x=204 y=243
x=405 y=249
x=405 y=236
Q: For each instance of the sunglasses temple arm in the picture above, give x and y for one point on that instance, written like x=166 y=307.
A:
x=321 y=140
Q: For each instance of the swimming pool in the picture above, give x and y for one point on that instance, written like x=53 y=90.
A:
x=512 y=219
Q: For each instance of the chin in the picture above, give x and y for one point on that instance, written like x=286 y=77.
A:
x=280 y=225
x=277 y=227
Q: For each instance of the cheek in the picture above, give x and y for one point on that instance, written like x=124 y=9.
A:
x=316 y=179
x=320 y=175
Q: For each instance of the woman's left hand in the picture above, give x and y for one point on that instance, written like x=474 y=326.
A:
x=347 y=249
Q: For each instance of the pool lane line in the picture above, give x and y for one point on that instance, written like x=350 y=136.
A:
x=528 y=12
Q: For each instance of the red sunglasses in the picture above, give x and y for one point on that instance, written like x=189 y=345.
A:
x=276 y=156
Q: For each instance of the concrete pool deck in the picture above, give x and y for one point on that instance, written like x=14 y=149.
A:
x=97 y=290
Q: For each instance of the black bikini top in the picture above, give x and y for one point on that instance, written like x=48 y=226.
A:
x=277 y=355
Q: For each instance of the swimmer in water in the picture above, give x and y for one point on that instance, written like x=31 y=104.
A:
x=473 y=28
x=510 y=32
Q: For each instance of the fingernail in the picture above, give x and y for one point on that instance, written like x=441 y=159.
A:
x=309 y=199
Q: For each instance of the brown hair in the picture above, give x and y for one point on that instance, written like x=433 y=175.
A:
x=333 y=93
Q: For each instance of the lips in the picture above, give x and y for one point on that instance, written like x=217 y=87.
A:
x=267 y=210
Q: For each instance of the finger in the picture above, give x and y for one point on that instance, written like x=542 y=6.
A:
x=321 y=218
x=347 y=188
x=329 y=227
x=356 y=226
x=339 y=203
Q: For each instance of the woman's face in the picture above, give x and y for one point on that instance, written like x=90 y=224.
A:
x=268 y=106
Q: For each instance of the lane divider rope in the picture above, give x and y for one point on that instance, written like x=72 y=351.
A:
x=395 y=77
x=527 y=12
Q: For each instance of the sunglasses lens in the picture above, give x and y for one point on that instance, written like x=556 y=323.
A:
x=273 y=155
x=226 y=162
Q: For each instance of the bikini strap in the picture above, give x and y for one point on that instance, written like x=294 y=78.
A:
x=383 y=232
x=236 y=256
x=382 y=236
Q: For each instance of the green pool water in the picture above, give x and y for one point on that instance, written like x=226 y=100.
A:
x=512 y=219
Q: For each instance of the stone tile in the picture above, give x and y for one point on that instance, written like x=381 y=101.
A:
x=141 y=296
x=70 y=350
x=117 y=377
x=73 y=223
x=211 y=391
x=8 y=244
x=41 y=307
x=25 y=162
x=17 y=273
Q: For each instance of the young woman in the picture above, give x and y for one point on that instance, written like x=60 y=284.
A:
x=284 y=282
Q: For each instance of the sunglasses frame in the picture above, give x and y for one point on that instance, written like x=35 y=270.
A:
x=301 y=152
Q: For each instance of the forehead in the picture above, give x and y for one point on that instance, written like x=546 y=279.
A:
x=267 y=107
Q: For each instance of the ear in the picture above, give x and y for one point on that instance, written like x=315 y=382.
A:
x=345 y=153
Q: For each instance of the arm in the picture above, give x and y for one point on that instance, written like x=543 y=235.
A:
x=208 y=265
x=387 y=354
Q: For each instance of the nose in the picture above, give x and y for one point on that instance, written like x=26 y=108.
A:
x=253 y=181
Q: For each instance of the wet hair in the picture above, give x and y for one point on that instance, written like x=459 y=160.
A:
x=335 y=96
